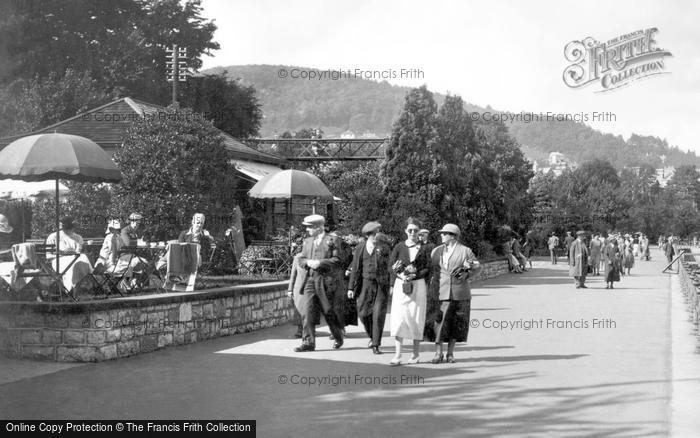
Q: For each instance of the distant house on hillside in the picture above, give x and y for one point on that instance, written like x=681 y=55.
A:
x=557 y=163
x=664 y=174
x=347 y=134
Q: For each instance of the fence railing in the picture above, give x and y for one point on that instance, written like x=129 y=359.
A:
x=689 y=272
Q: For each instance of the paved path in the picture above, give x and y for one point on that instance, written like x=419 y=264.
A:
x=591 y=362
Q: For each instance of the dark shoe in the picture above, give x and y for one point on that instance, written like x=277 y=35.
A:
x=370 y=344
x=437 y=359
x=376 y=350
x=583 y=286
x=450 y=359
x=331 y=337
x=337 y=344
x=304 y=347
x=578 y=287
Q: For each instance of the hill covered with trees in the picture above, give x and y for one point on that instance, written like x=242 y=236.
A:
x=364 y=106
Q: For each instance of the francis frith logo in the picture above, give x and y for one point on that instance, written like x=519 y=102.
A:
x=615 y=63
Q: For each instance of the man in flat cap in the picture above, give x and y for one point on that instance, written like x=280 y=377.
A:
x=133 y=232
x=317 y=265
x=370 y=283
x=578 y=260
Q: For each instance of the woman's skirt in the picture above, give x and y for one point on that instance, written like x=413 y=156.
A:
x=454 y=324
x=408 y=311
x=612 y=272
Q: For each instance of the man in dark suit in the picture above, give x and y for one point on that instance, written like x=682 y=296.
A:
x=316 y=282
x=369 y=282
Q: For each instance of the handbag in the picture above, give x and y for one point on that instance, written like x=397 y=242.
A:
x=407 y=287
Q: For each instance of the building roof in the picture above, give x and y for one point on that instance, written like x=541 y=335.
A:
x=106 y=125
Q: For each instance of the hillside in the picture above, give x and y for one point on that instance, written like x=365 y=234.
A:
x=365 y=106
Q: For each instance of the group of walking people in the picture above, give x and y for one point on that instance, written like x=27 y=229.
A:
x=615 y=253
x=426 y=288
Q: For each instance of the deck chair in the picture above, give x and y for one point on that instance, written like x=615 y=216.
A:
x=183 y=261
x=32 y=266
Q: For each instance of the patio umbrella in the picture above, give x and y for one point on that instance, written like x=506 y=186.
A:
x=57 y=156
x=289 y=184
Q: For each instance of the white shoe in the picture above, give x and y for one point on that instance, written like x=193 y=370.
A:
x=414 y=360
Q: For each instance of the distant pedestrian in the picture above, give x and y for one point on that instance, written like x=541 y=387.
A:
x=529 y=247
x=628 y=259
x=667 y=248
x=553 y=244
x=568 y=240
x=596 y=247
x=578 y=260
x=612 y=263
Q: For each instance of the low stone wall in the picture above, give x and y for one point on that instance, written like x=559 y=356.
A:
x=491 y=269
x=110 y=329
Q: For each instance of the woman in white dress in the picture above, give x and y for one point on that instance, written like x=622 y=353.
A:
x=410 y=265
x=76 y=266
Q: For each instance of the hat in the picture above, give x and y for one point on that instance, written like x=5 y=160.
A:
x=581 y=233
x=450 y=228
x=67 y=222
x=4 y=225
x=135 y=217
x=114 y=223
x=315 y=220
x=371 y=227
x=423 y=231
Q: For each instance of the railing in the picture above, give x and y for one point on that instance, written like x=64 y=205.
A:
x=689 y=272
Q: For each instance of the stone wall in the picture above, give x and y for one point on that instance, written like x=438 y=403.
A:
x=491 y=269
x=110 y=329
x=103 y=330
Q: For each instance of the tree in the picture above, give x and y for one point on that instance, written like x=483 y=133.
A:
x=232 y=107
x=410 y=172
x=121 y=46
x=360 y=193
x=174 y=166
x=27 y=105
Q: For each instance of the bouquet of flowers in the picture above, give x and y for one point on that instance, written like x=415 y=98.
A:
x=408 y=272
x=462 y=271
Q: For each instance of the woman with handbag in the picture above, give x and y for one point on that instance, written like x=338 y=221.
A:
x=410 y=265
x=452 y=264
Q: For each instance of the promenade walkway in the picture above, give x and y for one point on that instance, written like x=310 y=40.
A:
x=543 y=359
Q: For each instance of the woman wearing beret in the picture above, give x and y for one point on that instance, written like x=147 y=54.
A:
x=410 y=265
x=452 y=264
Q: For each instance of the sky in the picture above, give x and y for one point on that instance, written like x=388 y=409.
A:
x=506 y=54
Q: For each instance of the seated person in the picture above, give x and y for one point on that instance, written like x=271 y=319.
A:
x=112 y=261
x=70 y=243
x=134 y=233
x=7 y=265
x=197 y=234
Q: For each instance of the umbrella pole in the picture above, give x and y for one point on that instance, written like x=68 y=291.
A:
x=58 y=243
